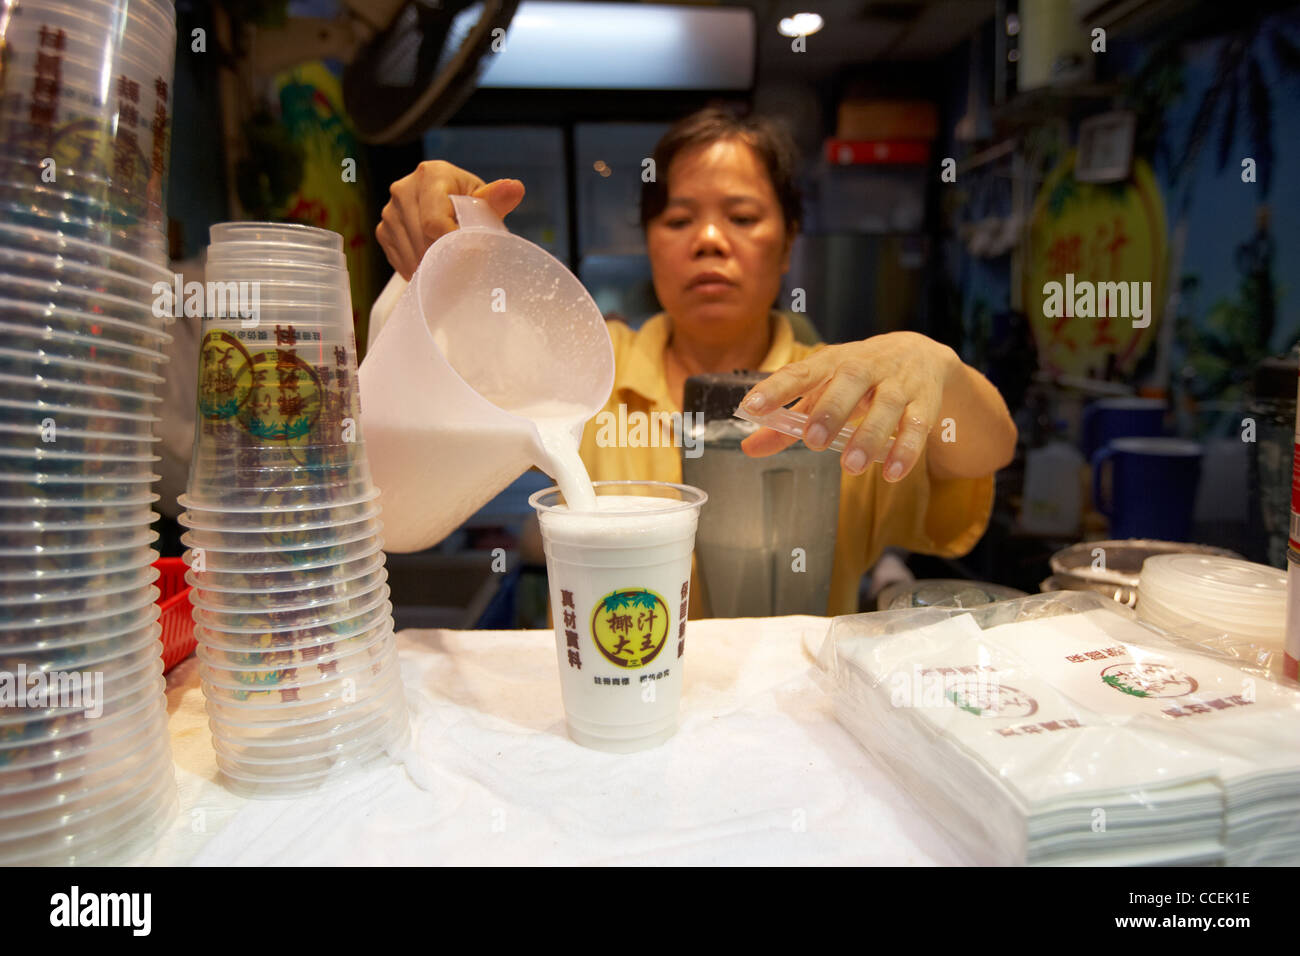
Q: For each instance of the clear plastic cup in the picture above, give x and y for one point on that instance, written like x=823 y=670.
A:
x=127 y=692
x=80 y=549
x=53 y=511
x=43 y=365
x=260 y=490
x=137 y=612
x=301 y=717
x=49 y=436
x=56 y=268
x=57 y=583
x=76 y=351
x=356 y=664
x=240 y=253
x=272 y=519
x=290 y=598
x=299 y=640
x=302 y=758
x=35 y=206
x=212 y=587
x=264 y=542
x=113 y=655
x=274 y=234
x=98 y=836
x=20 y=638
x=37 y=609
x=22 y=389
x=267 y=660
x=90 y=796
x=73 y=588
x=27 y=567
x=31 y=787
x=278 y=742
x=263 y=562
x=30 y=514
x=119 y=335
x=337 y=723
x=104 y=731
x=73 y=489
x=326 y=612
x=303 y=701
x=54 y=243
x=39 y=463
x=619 y=584
x=58 y=296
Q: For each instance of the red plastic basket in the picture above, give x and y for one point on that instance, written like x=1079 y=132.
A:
x=176 y=619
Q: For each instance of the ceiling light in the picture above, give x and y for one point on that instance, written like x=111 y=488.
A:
x=801 y=24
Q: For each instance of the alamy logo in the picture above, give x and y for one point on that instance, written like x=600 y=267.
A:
x=626 y=429
x=41 y=690
x=196 y=299
x=74 y=908
x=1088 y=300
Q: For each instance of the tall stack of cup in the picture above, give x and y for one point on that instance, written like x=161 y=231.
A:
x=297 y=655
x=85 y=761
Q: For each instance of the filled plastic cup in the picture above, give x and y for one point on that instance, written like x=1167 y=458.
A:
x=619 y=583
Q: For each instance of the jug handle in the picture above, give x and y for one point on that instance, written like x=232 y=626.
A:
x=474 y=213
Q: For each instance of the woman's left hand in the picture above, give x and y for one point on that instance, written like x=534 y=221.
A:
x=894 y=383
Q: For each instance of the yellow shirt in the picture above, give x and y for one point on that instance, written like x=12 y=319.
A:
x=944 y=518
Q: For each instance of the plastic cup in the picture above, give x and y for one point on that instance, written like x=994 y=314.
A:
x=110 y=655
x=125 y=694
x=131 y=616
x=42 y=364
x=279 y=541
x=71 y=588
x=281 y=658
x=29 y=786
x=300 y=617
x=275 y=519
x=299 y=640
x=275 y=234
x=304 y=701
x=77 y=351
x=52 y=318
x=106 y=730
x=215 y=588
x=285 y=744
x=342 y=721
x=54 y=243
x=354 y=664
x=291 y=597
x=270 y=562
x=98 y=836
x=20 y=388
x=619 y=583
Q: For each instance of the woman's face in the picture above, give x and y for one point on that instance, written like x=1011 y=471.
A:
x=720 y=247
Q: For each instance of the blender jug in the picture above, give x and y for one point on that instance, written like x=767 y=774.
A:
x=491 y=329
x=766 y=543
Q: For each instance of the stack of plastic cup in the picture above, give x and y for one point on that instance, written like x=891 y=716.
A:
x=298 y=660
x=85 y=762
x=1243 y=600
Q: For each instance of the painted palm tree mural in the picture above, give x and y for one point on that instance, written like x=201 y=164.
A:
x=1233 y=123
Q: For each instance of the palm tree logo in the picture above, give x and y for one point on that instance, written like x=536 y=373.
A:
x=630 y=626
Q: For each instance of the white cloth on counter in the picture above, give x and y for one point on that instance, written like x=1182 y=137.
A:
x=1080 y=738
x=758 y=773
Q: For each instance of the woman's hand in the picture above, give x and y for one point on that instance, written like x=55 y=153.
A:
x=902 y=384
x=419 y=212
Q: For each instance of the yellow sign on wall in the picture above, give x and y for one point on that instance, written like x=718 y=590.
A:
x=1095 y=271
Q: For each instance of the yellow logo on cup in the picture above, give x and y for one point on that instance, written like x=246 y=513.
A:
x=630 y=626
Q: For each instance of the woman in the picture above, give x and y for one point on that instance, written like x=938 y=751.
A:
x=720 y=219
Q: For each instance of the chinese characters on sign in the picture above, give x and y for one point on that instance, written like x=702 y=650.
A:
x=570 y=634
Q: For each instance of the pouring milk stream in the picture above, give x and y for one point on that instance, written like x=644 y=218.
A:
x=489 y=361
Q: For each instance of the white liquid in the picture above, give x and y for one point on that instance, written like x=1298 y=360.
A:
x=560 y=426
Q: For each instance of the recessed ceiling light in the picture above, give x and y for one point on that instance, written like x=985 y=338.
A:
x=801 y=24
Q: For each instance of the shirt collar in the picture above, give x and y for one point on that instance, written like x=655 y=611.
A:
x=643 y=370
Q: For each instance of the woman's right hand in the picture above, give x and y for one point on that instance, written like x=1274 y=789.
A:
x=418 y=211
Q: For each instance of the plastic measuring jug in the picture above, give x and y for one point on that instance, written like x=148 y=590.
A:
x=491 y=330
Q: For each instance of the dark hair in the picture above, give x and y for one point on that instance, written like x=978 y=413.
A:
x=769 y=141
